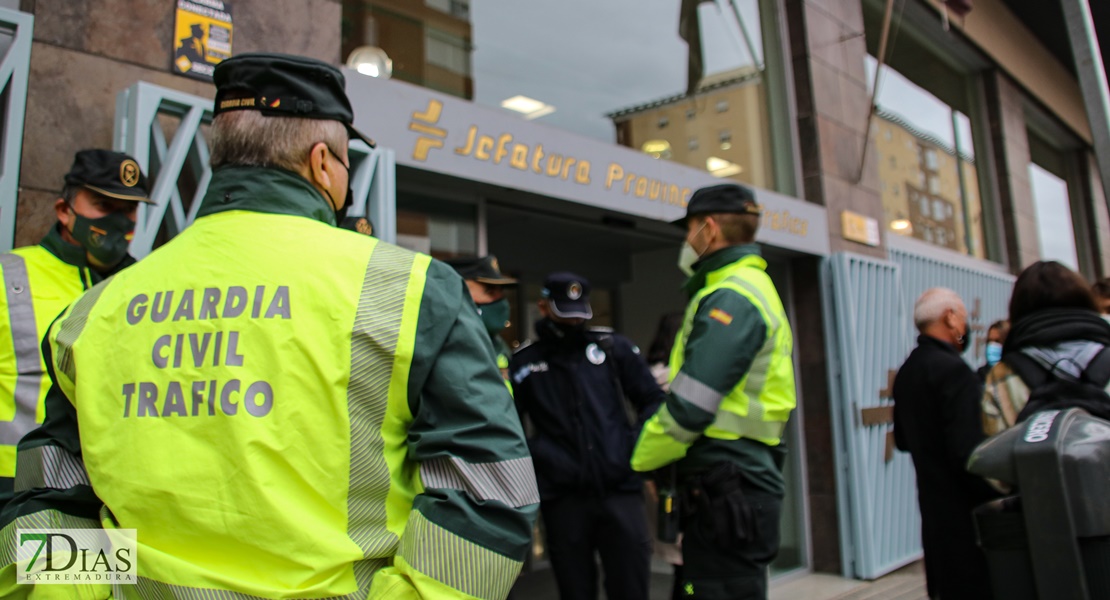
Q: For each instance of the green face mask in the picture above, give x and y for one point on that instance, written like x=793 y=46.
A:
x=495 y=315
x=106 y=238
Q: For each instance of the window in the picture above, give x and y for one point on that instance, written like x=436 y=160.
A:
x=447 y=51
x=691 y=114
x=663 y=122
x=692 y=144
x=1052 y=202
x=725 y=137
x=923 y=102
x=456 y=8
x=722 y=105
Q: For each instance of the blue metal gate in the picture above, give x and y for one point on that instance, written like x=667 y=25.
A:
x=177 y=164
x=15 y=68
x=869 y=315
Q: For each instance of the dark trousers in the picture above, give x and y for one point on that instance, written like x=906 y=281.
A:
x=613 y=526
x=738 y=572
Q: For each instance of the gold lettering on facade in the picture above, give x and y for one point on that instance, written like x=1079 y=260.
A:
x=422 y=122
x=470 y=135
x=582 y=173
x=485 y=144
x=502 y=147
x=520 y=157
x=783 y=221
x=527 y=157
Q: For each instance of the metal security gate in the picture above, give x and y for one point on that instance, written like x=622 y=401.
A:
x=164 y=130
x=869 y=313
x=15 y=67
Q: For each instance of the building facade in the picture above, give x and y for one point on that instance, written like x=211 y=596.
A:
x=563 y=137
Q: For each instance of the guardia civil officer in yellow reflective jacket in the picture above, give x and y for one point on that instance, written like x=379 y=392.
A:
x=486 y=282
x=288 y=409
x=96 y=218
x=731 y=393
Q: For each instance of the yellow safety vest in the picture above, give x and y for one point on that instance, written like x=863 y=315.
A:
x=37 y=287
x=759 y=406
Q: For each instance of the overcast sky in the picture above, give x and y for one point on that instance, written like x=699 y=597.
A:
x=591 y=57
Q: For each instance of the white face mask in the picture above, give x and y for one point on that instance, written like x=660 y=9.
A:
x=686 y=259
x=688 y=256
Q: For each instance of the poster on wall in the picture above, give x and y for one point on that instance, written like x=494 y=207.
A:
x=202 y=37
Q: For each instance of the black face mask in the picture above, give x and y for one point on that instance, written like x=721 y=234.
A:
x=341 y=212
x=106 y=238
x=561 y=333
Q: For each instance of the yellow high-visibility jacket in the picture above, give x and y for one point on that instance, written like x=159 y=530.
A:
x=732 y=375
x=39 y=283
x=283 y=409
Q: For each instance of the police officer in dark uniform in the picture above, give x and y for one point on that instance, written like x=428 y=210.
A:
x=571 y=385
x=486 y=282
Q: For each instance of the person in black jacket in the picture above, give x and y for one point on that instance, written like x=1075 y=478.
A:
x=570 y=388
x=937 y=420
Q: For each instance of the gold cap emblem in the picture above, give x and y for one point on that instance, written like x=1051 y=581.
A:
x=129 y=173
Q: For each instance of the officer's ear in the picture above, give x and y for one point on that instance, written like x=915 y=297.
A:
x=62 y=212
x=318 y=171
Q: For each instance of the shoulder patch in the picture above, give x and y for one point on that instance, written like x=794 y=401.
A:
x=719 y=315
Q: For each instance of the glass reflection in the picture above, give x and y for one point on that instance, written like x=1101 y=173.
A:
x=615 y=71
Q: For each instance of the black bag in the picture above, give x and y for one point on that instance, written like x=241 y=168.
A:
x=715 y=503
x=1052 y=388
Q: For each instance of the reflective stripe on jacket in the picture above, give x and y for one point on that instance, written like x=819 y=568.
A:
x=37 y=287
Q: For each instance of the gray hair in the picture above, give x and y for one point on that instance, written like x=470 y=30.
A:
x=932 y=305
x=249 y=139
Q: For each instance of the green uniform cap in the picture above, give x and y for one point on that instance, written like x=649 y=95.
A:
x=112 y=174
x=282 y=85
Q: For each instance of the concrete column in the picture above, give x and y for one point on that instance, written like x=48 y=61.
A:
x=1006 y=119
x=828 y=49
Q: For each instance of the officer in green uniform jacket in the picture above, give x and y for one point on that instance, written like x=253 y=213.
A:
x=96 y=218
x=280 y=408
x=731 y=393
x=486 y=282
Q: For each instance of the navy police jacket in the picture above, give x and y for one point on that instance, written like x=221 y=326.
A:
x=568 y=389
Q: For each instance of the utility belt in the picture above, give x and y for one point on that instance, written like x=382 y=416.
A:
x=712 y=501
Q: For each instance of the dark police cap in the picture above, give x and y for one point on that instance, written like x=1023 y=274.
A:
x=724 y=198
x=568 y=295
x=282 y=85
x=112 y=174
x=482 y=269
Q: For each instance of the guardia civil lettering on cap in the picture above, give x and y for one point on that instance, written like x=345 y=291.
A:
x=282 y=85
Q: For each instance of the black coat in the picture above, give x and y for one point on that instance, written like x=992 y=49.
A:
x=937 y=420
x=581 y=435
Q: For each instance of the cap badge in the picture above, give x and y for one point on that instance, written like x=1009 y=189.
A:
x=363 y=227
x=574 y=290
x=496 y=267
x=129 y=173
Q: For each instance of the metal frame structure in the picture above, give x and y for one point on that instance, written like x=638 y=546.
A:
x=139 y=131
x=15 y=68
x=869 y=315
